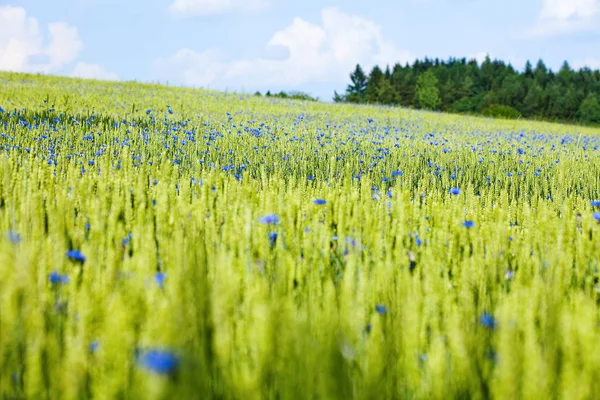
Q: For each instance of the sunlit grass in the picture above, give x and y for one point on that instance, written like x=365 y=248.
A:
x=382 y=290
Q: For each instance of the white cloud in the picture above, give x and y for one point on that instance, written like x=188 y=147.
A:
x=316 y=53
x=566 y=16
x=592 y=63
x=23 y=46
x=563 y=10
x=188 y=8
x=92 y=71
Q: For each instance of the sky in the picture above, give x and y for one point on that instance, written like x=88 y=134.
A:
x=307 y=45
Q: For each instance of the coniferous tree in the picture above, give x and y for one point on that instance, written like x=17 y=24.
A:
x=356 y=91
x=373 y=84
x=493 y=88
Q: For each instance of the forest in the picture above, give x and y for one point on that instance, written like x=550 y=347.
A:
x=493 y=88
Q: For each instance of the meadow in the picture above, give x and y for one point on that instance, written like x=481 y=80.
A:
x=170 y=243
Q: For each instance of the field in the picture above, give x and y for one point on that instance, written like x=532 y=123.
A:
x=169 y=243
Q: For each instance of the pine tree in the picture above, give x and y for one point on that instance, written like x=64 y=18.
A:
x=375 y=78
x=356 y=91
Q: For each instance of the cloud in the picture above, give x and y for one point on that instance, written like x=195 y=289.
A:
x=306 y=53
x=92 y=71
x=25 y=48
x=567 y=9
x=190 y=8
x=558 y=17
x=592 y=63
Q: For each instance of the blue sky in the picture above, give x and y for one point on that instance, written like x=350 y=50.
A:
x=309 y=45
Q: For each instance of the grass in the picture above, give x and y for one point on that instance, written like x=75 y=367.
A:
x=381 y=292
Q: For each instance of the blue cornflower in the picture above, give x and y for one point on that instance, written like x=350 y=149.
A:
x=455 y=191
x=94 y=346
x=310 y=178
x=397 y=173
x=76 y=255
x=597 y=216
x=148 y=112
x=58 y=279
x=14 y=237
x=468 y=224
x=1 y=109
x=488 y=320
x=269 y=219
x=91 y=162
x=381 y=309
x=160 y=278
x=272 y=239
x=320 y=202
x=595 y=203
x=159 y=361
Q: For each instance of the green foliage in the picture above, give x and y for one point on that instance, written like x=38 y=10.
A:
x=380 y=293
x=293 y=95
x=466 y=87
x=500 y=111
x=355 y=93
x=427 y=93
x=589 y=111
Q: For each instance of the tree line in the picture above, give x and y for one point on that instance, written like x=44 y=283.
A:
x=493 y=88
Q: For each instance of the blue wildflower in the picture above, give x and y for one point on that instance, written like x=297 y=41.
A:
x=595 y=203
x=94 y=346
x=381 y=309
x=468 y=224
x=91 y=162
x=58 y=279
x=455 y=191
x=148 y=112
x=320 y=202
x=76 y=255
x=14 y=237
x=397 y=173
x=269 y=219
x=160 y=278
x=272 y=239
x=488 y=320
x=159 y=361
x=597 y=216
